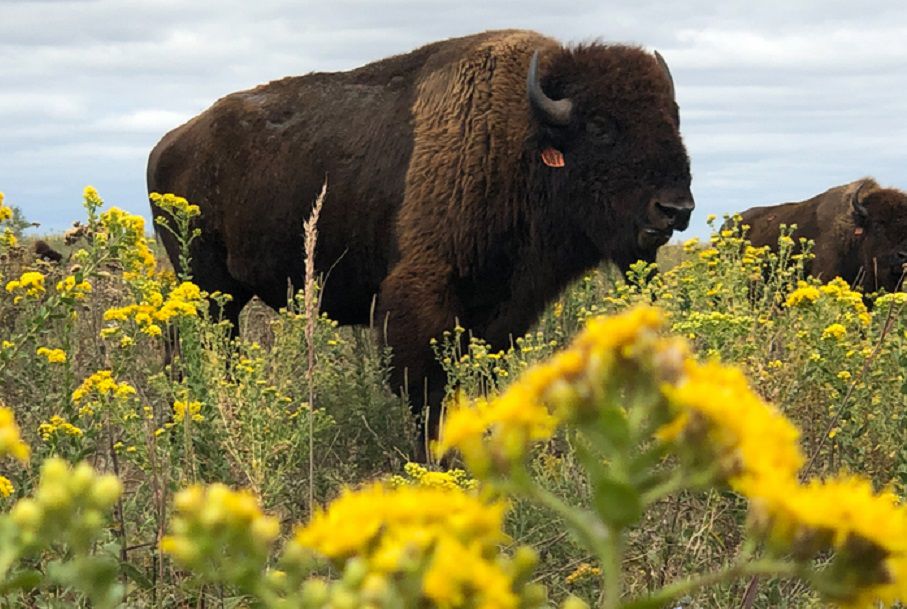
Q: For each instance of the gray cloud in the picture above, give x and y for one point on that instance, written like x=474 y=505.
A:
x=779 y=100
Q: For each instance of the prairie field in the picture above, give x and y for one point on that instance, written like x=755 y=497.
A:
x=719 y=431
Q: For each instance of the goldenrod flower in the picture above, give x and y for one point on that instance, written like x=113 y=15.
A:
x=182 y=407
x=102 y=384
x=804 y=294
x=446 y=534
x=834 y=331
x=583 y=571
x=31 y=284
x=55 y=424
x=53 y=356
x=69 y=505
x=6 y=487
x=174 y=204
x=11 y=442
x=72 y=288
x=220 y=533
x=717 y=412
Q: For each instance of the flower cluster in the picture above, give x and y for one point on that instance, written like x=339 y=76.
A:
x=182 y=408
x=125 y=235
x=867 y=531
x=98 y=387
x=30 y=284
x=70 y=287
x=11 y=442
x=58 y=425
x=419 y=475
x=446 y=537
x=69 y=505
x=805 y=294
x=154 y=309
x=749 y=443
x=174 y=204
x=53 y=356
x=494 y=435
x=220 y=533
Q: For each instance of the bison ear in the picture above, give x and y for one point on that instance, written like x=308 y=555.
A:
x=860 y=213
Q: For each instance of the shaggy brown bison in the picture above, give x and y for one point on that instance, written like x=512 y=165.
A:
x=860 y=231
x=44 y=251
x=470 y=180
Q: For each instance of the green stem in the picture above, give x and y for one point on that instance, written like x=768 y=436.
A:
x=585 y=526
x=734 y=570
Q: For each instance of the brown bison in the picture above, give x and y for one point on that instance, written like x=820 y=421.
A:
x=859 y=229
x=470 y=180
x=44 y=251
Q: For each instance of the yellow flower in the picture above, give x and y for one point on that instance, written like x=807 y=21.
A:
x=31 y=283
x=566 y=387
x=583 y=570
x=53 y=356
x=6 y=487
x=217 y=530
x=453 y=533
x=72 y=288
x=834 y=331
x=56 y=424
x=175 y=204
x=10 y=439
x=804 y=294
x=182 y=407
x=748 y=438
x=102 y=384
x=868 y=531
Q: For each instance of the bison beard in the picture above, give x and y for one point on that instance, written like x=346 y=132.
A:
x=441 y=204
x=859 y=230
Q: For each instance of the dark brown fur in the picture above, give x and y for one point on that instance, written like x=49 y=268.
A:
x=43 y=250
x=865 y=244
x=438 y=202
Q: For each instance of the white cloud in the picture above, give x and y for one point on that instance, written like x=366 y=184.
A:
x=778 y=99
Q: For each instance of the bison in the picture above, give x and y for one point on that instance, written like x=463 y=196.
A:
x=470 y=180
x=859 y=229
x=44 y=251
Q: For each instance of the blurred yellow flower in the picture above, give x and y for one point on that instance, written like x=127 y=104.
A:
x=11 y=442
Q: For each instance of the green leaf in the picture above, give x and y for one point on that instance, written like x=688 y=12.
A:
x=617 y=502
x=136 y=575
x=22 y=581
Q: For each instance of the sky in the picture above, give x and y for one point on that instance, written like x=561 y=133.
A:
x=778 y=100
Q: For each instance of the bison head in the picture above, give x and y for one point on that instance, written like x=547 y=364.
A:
x=880 y=231
x=609 y=131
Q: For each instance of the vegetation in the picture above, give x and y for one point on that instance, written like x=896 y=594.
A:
x=626 y=453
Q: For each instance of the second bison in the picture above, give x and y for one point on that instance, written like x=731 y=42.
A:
x=859 y=229
x=469 y=180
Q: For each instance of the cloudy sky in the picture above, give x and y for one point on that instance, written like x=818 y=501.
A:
x=779 y=100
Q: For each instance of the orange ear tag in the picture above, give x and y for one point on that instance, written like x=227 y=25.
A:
x=858 y=231
x=552 y=157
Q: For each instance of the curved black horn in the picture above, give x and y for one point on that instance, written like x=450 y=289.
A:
x=856 y=203
x=554 y=112
x=667 y=70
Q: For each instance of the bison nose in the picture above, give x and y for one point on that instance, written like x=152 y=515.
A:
x=676 y=212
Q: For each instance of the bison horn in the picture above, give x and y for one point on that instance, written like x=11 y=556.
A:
x=554 y=112
x=667 y=71
x=856 y=201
